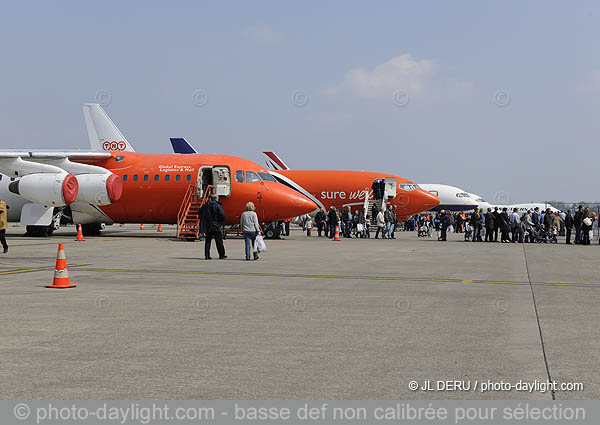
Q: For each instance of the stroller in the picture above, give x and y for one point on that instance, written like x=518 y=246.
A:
x=424 y=230
x=542 y=235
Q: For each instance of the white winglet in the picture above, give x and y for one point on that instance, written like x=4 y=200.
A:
x=103 y=133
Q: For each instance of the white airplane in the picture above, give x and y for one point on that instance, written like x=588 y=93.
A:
x=451 y=198
x=36 y=185
x=523 y=208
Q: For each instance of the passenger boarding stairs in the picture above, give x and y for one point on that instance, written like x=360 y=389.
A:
x=377 y=203
x=188 y=220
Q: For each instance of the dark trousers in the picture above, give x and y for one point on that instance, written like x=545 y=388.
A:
x=3 y=238
x=444 y=233
x=569 y=230
x=332 y=227
x=320 y=228
x=496 y=233
x=489 y=235
x=379 y=229
x=577 y=234
x=218 y=236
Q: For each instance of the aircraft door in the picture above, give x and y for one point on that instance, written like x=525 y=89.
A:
x=205 y=179
x=222 y=180
x=390 y=188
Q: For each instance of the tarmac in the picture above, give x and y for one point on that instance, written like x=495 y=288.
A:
x=312 y=319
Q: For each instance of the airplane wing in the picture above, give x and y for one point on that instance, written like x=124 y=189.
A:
x=180 y=145
x=274 y=162
x=50 y=178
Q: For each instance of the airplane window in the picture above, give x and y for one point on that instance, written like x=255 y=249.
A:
x=156 y=177
x=12 y=179
x=462 y=195
x=124 y=177
x=177 y=177
x=409 y=186
x=188 y=178
x=0 y=177
x=119 y=158
x=239 y=176
x=252 y=177
x=167 y=177
x=145 y=177
x=135 y=177
x=267 y=177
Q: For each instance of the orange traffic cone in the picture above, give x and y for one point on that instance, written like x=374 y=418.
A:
x=142 y=226
x=159 y=228
x=61 y=274
x=337 y=233
x=79 y=234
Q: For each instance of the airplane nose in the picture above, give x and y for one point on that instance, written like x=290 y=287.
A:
x=428 y=200
x=281 y=202
x=421 y=200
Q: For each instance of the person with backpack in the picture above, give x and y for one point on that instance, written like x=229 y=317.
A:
x=212 y=216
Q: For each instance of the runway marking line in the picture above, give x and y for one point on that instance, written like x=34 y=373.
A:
x=341 y=277
x=36 y=269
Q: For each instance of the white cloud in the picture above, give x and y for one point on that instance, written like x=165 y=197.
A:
x=399 y=73
x=263 y=34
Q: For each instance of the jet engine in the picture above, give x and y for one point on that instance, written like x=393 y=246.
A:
x=99 y=189
x=58 y=189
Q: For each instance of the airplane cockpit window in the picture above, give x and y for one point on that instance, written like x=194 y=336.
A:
x=267 y=177
x=239 y=176
x=119 y=158
x=409 y=186
x=462 y=195
x=252 y=177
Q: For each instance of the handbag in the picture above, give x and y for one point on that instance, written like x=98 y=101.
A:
x=587 y=221
x=260 y=244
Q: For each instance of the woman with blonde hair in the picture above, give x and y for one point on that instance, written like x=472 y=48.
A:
x=250 y=229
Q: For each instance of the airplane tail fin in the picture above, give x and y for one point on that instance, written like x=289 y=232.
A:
x=180 y=145
x=103 y=133
x=274 y=162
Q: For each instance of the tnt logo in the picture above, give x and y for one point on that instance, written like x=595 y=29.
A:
x=114 y=146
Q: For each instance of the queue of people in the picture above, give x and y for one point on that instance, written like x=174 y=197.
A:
x=512 y=227
x=357 y=224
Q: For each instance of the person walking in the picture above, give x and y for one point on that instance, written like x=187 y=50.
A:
x=212 y=216
x=3 y=225
x=497 y=221
x=394 y=222
x=332 y=220
x=577 y=221
x=321 y=220
x=250 y=229
x=568 y=226
x=490 y=225
x=515 y=221
x=476 y=224
x=389 y=218
x=445 y=222
x=347 y=222
x=380 y=221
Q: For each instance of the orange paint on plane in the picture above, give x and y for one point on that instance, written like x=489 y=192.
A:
x=343 y=188
x=151 y=198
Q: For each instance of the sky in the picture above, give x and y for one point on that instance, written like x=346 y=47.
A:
x=499 y=98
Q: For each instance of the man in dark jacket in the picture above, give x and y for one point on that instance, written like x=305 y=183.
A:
x=535 y=216
x=445 y=221
x=504 y=225
x=347 y=222
x=332 y=220
x=476 y=224
x=490 y=225
x=497 y=222
x=577 y=220
x=321 y=220
x=212 y=216
x=569 y=225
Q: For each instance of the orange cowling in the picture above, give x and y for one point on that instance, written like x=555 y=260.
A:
x=61 y=274
x=70 y=189
x=114 y=187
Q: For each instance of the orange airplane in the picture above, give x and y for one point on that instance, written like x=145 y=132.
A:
x=348 y=188
x=341 y=189
x=113 y=184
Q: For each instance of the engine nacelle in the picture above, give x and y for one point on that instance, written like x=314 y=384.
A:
x=99 y=189
x=47 y=189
